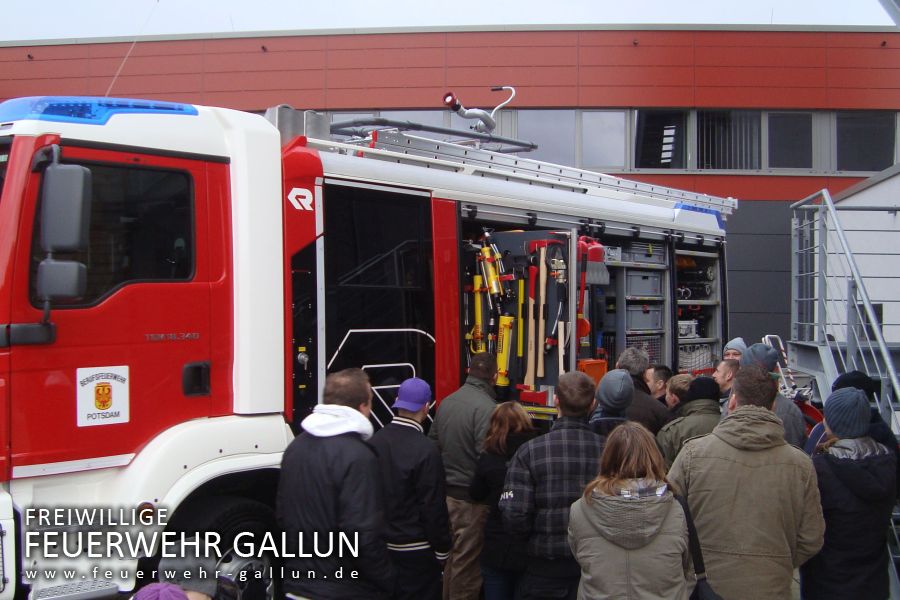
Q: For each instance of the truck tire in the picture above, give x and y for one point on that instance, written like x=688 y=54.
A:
x=229 y=516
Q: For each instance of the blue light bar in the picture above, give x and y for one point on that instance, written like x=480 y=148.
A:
x=84 y=109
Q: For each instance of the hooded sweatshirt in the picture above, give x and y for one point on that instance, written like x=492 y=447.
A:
x=630 y=548
x=755 y=504
x=330 y=484
x=857 y=481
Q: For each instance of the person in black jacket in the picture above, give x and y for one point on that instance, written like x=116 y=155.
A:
x=330 y=491
x=546 y=475
x=858 y=485
x=418 y=527
x=503 y=554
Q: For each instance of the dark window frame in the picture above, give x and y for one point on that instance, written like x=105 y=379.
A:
x=890 y=116
x=679 y=157
x=781 y=114
x=37 y=254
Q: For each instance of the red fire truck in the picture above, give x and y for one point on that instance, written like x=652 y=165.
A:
x=177 y=281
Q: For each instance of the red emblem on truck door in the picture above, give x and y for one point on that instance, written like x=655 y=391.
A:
x=103 y=396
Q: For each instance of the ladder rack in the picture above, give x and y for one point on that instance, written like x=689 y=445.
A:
x=399 y=147
x=487 y=163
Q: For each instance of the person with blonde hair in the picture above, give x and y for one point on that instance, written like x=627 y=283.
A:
x=627 y=531
x=503 y=554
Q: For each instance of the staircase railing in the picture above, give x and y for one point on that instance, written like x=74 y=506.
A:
x=831 y=302
x=832 y=307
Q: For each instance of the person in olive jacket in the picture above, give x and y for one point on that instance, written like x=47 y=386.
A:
x=753 y=497
x=698 y=413
x=503 y=554
x=858 y=483
x=460 y=424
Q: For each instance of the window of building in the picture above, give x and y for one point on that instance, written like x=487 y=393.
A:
x=865 y=140
x=141 y=230
x=728 y=139
x=554 y=133
x=660 y=139
x=434 y=118
x=790 y=140
x=603 y=139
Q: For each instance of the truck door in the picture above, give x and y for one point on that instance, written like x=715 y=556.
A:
x=132 y=357
x=363 y=293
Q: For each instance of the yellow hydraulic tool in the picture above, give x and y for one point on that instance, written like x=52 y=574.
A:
x=520 y=337
x=504 y=349
x=477 y=338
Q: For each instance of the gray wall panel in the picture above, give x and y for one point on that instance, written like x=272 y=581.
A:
x=759 y=292
x=760 y=216
x=759 y=252
x=751 y=327
x=759 y=264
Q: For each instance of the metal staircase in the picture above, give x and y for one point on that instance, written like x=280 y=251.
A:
x=836 y=325
x=841 y=251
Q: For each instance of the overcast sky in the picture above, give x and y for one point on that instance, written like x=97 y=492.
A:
x=54 y=19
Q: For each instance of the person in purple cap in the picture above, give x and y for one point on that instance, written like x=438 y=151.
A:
x=160 y=591
x=418 y=526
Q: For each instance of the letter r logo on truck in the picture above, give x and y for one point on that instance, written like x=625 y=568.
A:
x=301 y=199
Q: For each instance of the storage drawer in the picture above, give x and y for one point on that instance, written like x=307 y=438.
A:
x=640 y=317
x=644 y=252
x=643 y=283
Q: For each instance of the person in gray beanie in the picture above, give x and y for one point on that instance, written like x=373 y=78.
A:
x=734 y=349
x=614 y=395
x=766 y=357
x=857 y=480
x=644 y=409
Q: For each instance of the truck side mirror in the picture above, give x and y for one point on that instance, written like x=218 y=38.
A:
x=65 y=208
x=61 y=280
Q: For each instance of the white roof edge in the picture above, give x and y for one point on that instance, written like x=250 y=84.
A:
x=867 y=183
x=453 y=29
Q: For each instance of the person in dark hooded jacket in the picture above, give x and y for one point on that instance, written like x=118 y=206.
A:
x=330 y=484
x=503 y=554
x=613 y=395
x=858 y=485
x=644 y=409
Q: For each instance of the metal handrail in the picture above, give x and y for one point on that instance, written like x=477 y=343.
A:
x=873 y=319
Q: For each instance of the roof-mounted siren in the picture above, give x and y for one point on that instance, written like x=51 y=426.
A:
x=486 y=120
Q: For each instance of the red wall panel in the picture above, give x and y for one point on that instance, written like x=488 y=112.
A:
x=749 y=187
x=734 y=69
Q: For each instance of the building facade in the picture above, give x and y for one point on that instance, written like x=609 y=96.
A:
x=768 y=116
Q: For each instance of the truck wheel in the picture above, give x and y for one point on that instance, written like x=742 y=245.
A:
x=229 y=516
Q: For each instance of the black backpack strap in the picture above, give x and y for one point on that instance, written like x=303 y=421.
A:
x=693 y=541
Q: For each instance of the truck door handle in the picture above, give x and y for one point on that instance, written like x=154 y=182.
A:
x=195 y=379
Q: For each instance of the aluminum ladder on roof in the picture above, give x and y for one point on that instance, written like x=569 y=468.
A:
x=835 y=325
x=397 y=146
x=501 y=165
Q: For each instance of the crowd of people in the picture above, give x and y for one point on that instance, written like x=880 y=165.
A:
x=645 y=484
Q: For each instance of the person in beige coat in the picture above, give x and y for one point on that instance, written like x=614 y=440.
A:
x=754 y=498
x=628 y=532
